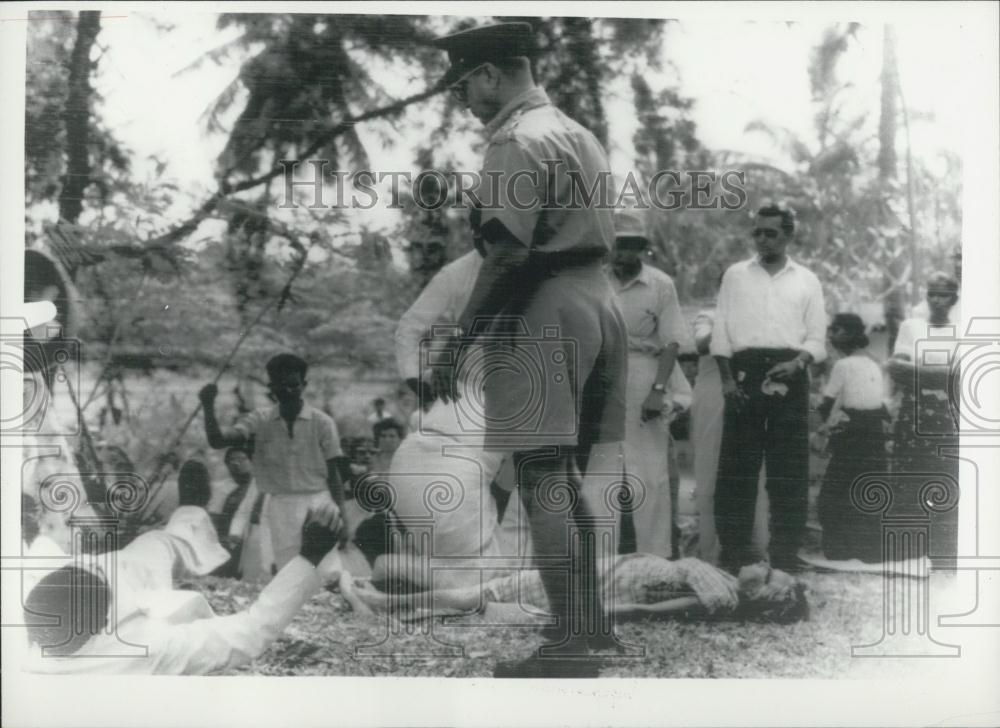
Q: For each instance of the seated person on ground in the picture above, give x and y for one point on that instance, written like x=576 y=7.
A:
x=387 y=434
x=639 y=585
x=188 y=541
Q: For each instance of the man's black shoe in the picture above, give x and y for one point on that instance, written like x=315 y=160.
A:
x=549 y=667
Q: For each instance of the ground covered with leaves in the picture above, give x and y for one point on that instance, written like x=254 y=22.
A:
x=327 y=638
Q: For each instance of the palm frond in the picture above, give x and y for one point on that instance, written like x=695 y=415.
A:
x=217 y=55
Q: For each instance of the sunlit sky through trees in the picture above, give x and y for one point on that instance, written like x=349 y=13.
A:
x=735 y=70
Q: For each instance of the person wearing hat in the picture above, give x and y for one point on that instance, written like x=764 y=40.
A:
x=656 y=332
x=770 y=324
x=542 y=296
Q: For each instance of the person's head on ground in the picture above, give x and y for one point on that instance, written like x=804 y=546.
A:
x=388 y=433
x=194 y=486
x=773 y=228
x=770 y=595
x=286 y=375
x=238 y=464
x=942 y=294
x=846 y=333
x=631 y=245
x=72 y=606
x=490 y=66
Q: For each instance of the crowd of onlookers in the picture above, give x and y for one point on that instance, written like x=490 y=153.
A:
x=290 y=474
x=861 y=429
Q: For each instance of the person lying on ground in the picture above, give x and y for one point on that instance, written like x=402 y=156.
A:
x=640 y=585
x=178 y=630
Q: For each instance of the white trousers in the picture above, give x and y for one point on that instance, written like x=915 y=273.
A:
x=646 y=445
x=285 y=513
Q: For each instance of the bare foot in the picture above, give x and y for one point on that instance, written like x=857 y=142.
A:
x=351 y=595
x=331 y=567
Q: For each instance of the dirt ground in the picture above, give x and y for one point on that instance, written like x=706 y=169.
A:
x=327 y=638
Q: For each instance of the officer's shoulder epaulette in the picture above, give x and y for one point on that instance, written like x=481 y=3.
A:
x=507 y=131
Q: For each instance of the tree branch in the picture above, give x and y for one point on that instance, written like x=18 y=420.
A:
x=227 y=188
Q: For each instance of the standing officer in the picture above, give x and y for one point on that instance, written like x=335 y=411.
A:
x=554 y=369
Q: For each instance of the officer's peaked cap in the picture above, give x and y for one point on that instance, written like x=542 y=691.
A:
x=471 y=48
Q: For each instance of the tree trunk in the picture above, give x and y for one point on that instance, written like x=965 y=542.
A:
x=894 y=306
x=915 y=262
x=887 y=120
x=76 y=116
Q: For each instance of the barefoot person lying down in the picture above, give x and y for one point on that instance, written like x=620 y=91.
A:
x=181 y=633
x=640 y=584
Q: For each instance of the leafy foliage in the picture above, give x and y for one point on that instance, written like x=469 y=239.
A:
x=158 y=299
x=852 y=226
x=308 y=76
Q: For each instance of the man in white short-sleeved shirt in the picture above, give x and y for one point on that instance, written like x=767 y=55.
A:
x=656 y=332
x=295 y=446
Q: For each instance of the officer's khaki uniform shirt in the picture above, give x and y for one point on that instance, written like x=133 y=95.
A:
x=535 y=151
x=557 y=364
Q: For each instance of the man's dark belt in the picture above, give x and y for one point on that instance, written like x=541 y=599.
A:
x=769 y=356
x=866 y=415
x=564 y=259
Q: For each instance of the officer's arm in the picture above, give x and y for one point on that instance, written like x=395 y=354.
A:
x=500 y=275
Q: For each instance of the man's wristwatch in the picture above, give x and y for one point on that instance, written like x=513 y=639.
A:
x=800 y=363
x=660 y=387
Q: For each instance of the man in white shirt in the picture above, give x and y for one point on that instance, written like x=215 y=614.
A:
x=441 y=302
x=923 y=311
x=296 y=447
x=437 y=445
x=656 y=332
x=770 y=324
x=178 y=630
